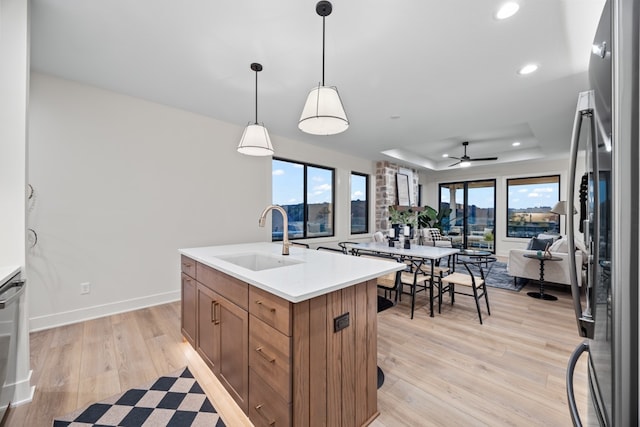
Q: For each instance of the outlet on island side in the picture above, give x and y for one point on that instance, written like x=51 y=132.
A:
x=341 y=322
x=85 y=288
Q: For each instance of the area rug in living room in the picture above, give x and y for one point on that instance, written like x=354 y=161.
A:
x=174 y=400
x=497 y=277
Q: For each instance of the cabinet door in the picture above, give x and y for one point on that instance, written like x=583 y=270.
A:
x=188 y=314
x=208 y=344
x=234 y=351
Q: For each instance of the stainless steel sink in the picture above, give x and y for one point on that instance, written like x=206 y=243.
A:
x=258 y=261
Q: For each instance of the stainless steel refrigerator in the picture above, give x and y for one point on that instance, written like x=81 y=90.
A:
x=607 y=200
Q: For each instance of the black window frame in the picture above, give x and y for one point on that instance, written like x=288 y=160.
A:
x=535 y=232
x=305 y=166
x=465 y=209
x=366 y=204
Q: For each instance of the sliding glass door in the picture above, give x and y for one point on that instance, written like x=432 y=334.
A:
x=471 y=223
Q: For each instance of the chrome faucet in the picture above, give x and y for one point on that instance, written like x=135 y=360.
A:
x=285 y=220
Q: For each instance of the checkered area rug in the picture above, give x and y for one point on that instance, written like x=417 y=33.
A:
x=172 y=400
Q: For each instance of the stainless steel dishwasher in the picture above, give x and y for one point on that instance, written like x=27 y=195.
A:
x=10 y=291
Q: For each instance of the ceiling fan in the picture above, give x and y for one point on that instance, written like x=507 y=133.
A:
x=464 y=160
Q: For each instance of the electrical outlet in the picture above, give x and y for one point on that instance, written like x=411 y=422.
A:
x=85 y=288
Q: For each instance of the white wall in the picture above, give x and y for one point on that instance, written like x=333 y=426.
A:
x=14 y=66
x=13 y=111
x=431 y=180
x=122 y=183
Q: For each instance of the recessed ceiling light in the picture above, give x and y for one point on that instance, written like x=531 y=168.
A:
x=445 y=155
x=507 y=10
x=465 y=164
x=516 y=143
x=527 y=69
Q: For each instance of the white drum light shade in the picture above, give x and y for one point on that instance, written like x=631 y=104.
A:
x=255 y=141
x=323 y=113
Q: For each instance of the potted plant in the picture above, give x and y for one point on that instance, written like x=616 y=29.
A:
x=431 y=218
x=400 y=217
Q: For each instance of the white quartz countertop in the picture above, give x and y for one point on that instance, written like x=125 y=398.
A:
x=7 y=272
x=315 y=272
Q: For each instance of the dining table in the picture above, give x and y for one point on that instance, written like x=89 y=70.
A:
x=416 y=254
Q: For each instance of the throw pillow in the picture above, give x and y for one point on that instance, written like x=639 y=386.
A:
x=539 y=244
x=555 y=237
x=435 y=234
x=560 y=246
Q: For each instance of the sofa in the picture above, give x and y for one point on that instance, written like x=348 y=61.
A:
x=554 y=272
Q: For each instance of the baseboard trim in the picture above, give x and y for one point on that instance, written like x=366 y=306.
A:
x=23 y=392
x=94 y=312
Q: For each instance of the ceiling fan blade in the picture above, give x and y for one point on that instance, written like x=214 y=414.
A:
x=483 y=158
x=457 y=158
x=455 y=163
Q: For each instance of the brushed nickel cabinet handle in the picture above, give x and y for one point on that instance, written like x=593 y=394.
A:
x=216 y=318
x=186 y=264
x=265 y=356
x=271 y=309
x=259 y=410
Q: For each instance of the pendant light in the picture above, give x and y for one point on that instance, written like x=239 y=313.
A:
x=255 y=140
x=323 y=113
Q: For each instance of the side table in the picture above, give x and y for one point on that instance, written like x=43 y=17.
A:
x=542 y=259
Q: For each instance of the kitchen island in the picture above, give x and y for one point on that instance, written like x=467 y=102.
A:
x=292 y=338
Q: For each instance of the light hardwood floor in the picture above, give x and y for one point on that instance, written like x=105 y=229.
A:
x=443 y=371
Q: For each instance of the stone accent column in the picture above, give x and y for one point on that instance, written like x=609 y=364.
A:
x=386 y=192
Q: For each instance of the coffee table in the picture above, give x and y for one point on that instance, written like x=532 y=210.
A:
x=542 y=259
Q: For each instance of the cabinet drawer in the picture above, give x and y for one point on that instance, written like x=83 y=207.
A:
x=270 y=356
x=265 y=407
x=229 y=287
x=188 y=266
x=271 y=309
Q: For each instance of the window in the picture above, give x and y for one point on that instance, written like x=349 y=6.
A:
x=471 y=222
x=359 y=205
x=306 y=192
x=529 y=201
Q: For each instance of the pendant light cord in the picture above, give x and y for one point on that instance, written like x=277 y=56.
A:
x=323 y=20
x=256 y=97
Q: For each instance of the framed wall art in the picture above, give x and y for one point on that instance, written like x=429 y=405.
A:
x=402 y=189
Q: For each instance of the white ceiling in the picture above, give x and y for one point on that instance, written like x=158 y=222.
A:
x=416 y=77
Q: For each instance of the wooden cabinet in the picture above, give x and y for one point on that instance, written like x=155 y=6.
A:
x=304 y=372
x=223 y=330
x=215 y=321
x=289 y=364
x=270 y=362
x=188 y=308
x=208 y=343
x=267 y=409
x=233 y=335
x=188 y=266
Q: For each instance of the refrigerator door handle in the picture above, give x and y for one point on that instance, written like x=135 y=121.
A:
x=7 y=301
x=571 y=367
x=584 y=109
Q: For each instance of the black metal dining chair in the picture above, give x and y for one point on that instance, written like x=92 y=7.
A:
x=345 y=246
x=473 y=278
